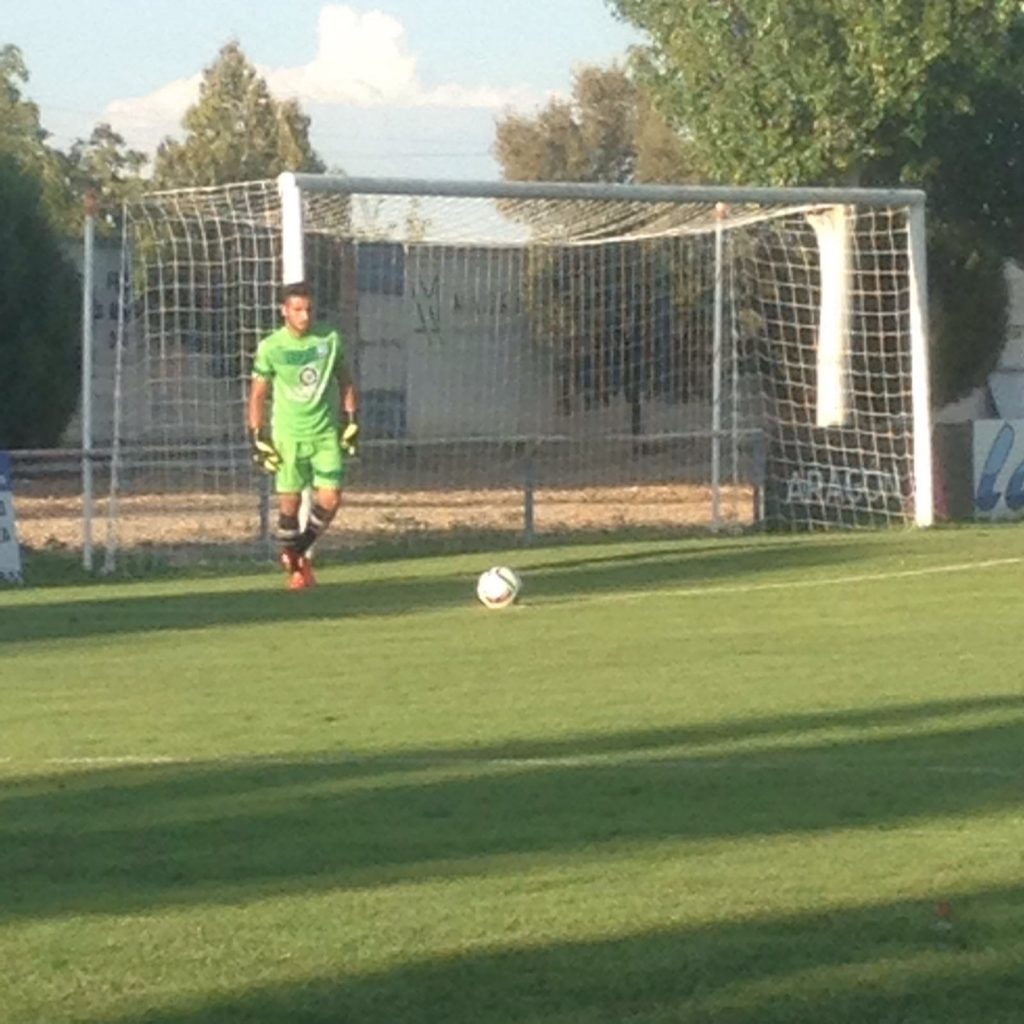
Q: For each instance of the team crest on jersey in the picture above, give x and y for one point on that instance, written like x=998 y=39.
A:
x=321 y=349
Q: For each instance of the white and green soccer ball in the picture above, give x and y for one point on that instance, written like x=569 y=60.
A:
x=498 y=587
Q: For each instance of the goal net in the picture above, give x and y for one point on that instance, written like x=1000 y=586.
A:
x=532 y=359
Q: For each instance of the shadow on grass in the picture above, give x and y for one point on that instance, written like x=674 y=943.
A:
x=62 y=567
x=133 y=838
x=879 y=964
x=647 y=569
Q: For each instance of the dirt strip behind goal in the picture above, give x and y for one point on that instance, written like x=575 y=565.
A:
x=151 y=520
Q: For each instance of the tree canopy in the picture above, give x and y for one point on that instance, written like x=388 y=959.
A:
x=924 y=93
x=236 y=131
x=106 y=167
x=23 y=138
x=103 y=164
x=608 y=131
x=40 y=306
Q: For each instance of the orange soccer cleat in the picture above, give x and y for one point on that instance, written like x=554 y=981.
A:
x=296 y=567
x=299 y=569
x=305 y=570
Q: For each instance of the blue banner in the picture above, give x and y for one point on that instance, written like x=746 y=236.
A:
x=998 y=468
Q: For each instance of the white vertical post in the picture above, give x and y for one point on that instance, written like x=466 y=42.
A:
x=832 y=228
x=88 y=256
x=924 y=496
x=293 y=269
x=716 y=376
x=110 y=550
x=734 y=364
x=293 y=264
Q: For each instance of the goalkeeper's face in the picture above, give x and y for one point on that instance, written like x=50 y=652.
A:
x=296 y=312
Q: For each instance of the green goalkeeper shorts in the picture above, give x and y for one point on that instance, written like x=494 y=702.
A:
x=317 y=462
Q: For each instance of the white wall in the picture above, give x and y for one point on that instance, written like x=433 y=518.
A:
x=457 y=343
x=106 y=270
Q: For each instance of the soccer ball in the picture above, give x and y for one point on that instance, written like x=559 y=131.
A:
x=498 y=587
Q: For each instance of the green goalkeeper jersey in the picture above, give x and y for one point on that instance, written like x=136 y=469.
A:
x=303 y=371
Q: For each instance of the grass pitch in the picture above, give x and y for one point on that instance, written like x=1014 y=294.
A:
x=726 y=780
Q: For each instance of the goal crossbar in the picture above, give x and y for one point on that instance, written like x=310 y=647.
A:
x=601 y=192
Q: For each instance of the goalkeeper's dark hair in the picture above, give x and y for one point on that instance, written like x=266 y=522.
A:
x=296 y=290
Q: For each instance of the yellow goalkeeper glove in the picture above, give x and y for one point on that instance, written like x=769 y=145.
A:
x=264 y=454
x=348 y=436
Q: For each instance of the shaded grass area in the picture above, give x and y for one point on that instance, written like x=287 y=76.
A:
x=205 y=597
x=884 y=963
x=59 y=565
x=133 y=838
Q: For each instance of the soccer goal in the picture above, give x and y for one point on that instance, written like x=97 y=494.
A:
x=533 y=358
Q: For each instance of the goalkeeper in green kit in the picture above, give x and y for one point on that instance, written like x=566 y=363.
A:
x=302 y=368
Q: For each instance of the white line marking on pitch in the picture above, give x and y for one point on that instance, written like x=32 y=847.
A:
x=752 y=588
x=387 y=764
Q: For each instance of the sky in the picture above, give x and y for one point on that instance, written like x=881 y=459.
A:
x=394 y=88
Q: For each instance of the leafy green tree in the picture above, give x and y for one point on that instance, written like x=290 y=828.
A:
x=104 y=166
x=236 y=131
x=924 y=93
x=607 y=132
x=20 y=130
x=40 y=305
x=23 y=137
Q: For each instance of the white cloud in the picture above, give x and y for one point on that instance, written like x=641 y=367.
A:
x=363 y=59
x=360 y=59
x=145 y=120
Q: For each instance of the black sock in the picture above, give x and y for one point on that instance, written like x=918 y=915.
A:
x=288 y=533
x=319 y=519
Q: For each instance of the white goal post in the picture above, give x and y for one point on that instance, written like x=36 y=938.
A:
x=533 y=358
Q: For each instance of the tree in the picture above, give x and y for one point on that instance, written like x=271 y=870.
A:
x=608 y=132
x=23 y=138
x=923 y=93
x=582 y=299
x=20 y=131
x=40 y=305
x=104 y=166
x=236 y=131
